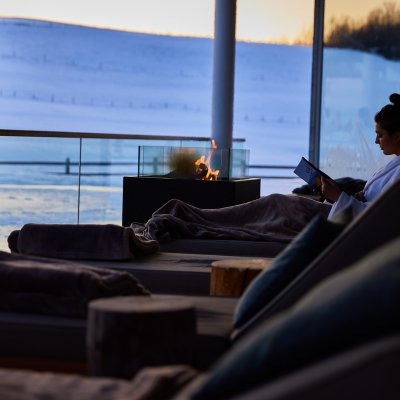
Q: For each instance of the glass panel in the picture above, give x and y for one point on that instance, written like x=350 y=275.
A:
x=113 y=67
x=361 y=69
x=192 y=162
x=273 y=84
x=104 y=163
x=38 y=182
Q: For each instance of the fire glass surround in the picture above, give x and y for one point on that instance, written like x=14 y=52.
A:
x=166 y=173
x=180 y=162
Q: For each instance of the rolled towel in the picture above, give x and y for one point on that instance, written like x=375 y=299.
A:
x=80 y=241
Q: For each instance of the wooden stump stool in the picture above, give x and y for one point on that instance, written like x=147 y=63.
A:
x=127 y=333
x=231 y=277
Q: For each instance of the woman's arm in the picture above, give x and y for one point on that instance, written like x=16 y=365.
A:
x=330 y=189
x=340 y=199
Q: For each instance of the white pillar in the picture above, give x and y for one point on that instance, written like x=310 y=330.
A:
x=223 y=73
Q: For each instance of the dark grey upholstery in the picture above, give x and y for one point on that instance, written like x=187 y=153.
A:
x=308 y=244
x=357 y=305
x=367 y=372
x=377 y=225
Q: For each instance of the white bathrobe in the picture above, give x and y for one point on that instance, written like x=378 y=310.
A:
x=378 y=182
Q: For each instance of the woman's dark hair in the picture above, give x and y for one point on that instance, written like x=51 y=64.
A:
x=389 y=116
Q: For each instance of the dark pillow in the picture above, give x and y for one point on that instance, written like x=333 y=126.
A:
x=46 y=286
x=351 y=308
x=296 y=256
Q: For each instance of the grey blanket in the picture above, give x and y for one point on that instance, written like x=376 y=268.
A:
x=80 y=241
x=271 y=218
x=39 y=285
x=151 y=383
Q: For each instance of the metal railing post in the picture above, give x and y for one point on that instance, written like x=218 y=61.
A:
x=79 y=177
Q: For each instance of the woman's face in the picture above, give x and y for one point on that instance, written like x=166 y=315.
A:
x=389 y=144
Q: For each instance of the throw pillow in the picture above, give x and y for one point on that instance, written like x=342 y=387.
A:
x=296 y=256
x=351 y=308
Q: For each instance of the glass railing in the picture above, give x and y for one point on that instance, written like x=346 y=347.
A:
x=70 y=178
x=66 y=178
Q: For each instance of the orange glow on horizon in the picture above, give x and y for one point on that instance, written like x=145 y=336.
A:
x=261 y=21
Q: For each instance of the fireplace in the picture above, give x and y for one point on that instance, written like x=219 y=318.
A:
x=203 y=177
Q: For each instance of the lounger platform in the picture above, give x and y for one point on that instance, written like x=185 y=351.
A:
x=224 y=247
x=170 y=273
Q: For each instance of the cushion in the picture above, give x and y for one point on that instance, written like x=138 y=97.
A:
x=44 y=286
x=351 y=308
x=297 y=255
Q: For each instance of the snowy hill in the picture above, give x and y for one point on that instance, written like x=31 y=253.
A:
x=62 y=77
x=72 y=78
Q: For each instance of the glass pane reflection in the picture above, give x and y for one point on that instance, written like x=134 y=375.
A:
x=37 y=182
x=361 y=69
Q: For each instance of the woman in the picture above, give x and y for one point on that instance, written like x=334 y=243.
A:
x=278 y=217
x=387 y=127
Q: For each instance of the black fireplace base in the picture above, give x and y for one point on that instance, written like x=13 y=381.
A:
x=144 y=195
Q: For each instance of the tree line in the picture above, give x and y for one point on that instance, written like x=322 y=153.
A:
x=378 y=33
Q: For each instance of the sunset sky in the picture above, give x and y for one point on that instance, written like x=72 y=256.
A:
x=258 y=20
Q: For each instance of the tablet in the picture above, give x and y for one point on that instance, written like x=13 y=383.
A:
x=310 y=173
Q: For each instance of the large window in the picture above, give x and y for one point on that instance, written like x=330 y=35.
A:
x=93 y=66
x=78 y=66
x=273 y=82
x=361 y=69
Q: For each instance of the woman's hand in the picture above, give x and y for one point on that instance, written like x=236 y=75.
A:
x=330 y=189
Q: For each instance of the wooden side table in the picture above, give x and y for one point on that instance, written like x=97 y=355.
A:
x=125 y=334
x=231 y=277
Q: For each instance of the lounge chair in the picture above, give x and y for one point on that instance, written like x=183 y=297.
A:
x=349 y=317
x=341 y=340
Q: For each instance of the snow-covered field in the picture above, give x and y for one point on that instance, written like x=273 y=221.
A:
x=59 y=77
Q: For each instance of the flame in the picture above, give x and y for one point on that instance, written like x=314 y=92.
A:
x=203 y=167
